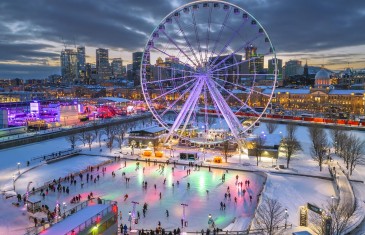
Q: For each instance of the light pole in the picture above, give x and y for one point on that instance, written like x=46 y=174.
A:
x=64 y=207
x=57 y=210
x=14 y=182
x=286 y=217
x=333 y=201
x=130 y=221
x=18 y=168
x=133 y=216
x=210 y=221
x=183 y=218
x=170 y=142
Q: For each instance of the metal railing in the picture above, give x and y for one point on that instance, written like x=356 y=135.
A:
x=55 y=155
x=221 y=232
x=92 y=220
x=65 y=128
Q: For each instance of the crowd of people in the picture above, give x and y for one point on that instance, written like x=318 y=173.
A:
x=94 y=174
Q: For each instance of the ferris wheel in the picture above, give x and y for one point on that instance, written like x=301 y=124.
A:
x=203 y=70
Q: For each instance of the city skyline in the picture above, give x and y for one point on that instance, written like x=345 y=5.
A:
x=35 y=34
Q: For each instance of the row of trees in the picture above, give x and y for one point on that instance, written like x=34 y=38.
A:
x=111 y=134
x=270 y=218
x=347 y=146
x=289 y=144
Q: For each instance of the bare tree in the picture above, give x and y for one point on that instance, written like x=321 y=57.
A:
x=156 y=146
x=270 y=216
x=72 y=140
x=290 y=144
x=344 y=150
x=351 y=150
x=82 y=136
x=90 y=137
x=357 y=153
x=97 y=132
x=319 y=144
x=258 y=145
x=271 y=127
x=340 y=216
x=111 y=134
x=108 y=129
x=291 y=130
x=342 y=146
x=291 y=147
x=336 y=133
x=120 y=134
x=226 y=150
x=110 y=142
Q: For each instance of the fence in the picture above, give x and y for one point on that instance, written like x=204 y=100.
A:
x=29 y=138
x=92 y=220
x=55 y=155
x=220 y=231
x=46 y=184
x=82 y=226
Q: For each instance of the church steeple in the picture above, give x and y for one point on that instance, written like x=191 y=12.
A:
x=305 y=73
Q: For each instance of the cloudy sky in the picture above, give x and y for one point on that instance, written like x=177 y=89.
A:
x=32 y=33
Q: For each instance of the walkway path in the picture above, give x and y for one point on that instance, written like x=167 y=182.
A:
x=346 y=195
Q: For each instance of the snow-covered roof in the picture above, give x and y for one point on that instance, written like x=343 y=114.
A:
x=284 y=90
x=115 y=99
x=76 y=219
x=236 y=91
x=153 y=129
x=270 y=139
x=346 y=92
x=302 y=233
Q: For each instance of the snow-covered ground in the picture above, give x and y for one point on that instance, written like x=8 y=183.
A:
x=291 y=191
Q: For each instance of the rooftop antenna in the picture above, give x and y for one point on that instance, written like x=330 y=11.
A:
x=74 y=42
x=63 y=42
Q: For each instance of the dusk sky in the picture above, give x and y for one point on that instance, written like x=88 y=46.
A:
x=329 y=32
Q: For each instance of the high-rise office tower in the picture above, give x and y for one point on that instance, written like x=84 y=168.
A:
x=137 y=59
x=292 y=67
x=256 y=65
x=117 y=67
x=102 y=63
x=68 y=60
x=81 y=70
x=229 y=65
x=271 y=66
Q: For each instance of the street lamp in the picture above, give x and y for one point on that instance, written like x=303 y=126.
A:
x=57 y=211
x=130 y=220
x=286 y=217
x=333 y=201
x=18 y=168
x=133 y=214
x=64 y=206
x=183 y=218
x=170 y=142
x=14 y=182
x=210 y=220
